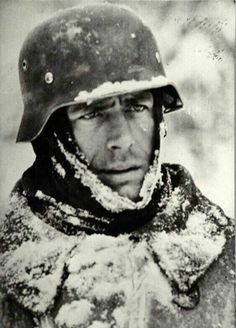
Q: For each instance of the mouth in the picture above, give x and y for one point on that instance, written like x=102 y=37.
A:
x=122 y=177
x=118 y=171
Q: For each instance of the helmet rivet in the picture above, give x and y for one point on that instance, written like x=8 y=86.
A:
x=49 y=77
x=158 y=57
x=24 y=65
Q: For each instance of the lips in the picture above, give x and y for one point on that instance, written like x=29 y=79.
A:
x=119 y=170
x=122 y=178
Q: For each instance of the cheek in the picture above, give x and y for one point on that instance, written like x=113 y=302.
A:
x=143 y=132
x=87 y=139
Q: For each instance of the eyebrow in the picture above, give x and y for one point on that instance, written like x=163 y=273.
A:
x=76 y=111
x=138 y=95
x=106 y=103
x=102 y=103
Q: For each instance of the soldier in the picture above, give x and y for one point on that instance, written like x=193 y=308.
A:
x=100 y=232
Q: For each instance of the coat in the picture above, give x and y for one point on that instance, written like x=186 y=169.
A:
x=174 y=269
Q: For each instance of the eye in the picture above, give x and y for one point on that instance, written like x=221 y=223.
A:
x=136 y=108
x=90 y=116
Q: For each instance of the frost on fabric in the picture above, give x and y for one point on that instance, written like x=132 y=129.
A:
x=59 y=213
x=99 y=324
x=58 y=167
x=67 y=209
x=108 y=198
x=37 y=268
x=121 y=278
x=186 y=255
x=110 y=281
x=174 y=202
x=108 y=89
x=74 y=314
x=153 y=174
x=32 y=265
x=45 y=322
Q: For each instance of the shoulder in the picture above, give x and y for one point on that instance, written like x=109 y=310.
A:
x=178 y=173
x=182 y=182
x=179 y=186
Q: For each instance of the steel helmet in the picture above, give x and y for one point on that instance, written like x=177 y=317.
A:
x=87 y=53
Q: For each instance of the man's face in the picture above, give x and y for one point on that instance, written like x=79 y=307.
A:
x=116 y=136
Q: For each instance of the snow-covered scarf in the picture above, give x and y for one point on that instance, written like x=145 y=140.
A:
x=35 y=254
x=70 y=168
x=61 y=172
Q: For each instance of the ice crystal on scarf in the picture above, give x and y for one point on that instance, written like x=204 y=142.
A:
x=108 y=198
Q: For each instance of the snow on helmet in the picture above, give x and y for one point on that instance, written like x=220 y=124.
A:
x=83 y=54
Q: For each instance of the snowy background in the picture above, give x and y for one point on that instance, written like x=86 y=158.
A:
x=196 y=40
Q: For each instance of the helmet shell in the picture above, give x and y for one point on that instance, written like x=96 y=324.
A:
x=86 y=53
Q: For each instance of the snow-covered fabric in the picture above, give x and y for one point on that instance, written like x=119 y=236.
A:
x=108 y=198
x=33 y=256
x=67 y=162
x=59 y=155
x=105 y=280
x=69 y=179
x=74 y=254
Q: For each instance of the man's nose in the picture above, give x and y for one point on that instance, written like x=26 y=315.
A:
x=120 y=134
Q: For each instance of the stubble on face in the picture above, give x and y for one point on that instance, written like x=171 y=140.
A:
x=116 y=136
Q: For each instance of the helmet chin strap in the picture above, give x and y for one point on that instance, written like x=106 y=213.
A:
x=108 y=198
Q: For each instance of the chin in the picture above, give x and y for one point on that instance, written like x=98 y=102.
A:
x=130 y=193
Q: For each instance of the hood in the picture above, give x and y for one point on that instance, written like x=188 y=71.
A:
x=67 y=174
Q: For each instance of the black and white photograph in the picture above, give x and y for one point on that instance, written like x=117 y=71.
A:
x=117 y=164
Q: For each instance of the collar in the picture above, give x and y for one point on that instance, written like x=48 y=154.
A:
x=34 y=253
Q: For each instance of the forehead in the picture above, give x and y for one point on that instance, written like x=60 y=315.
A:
x=144 y=97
